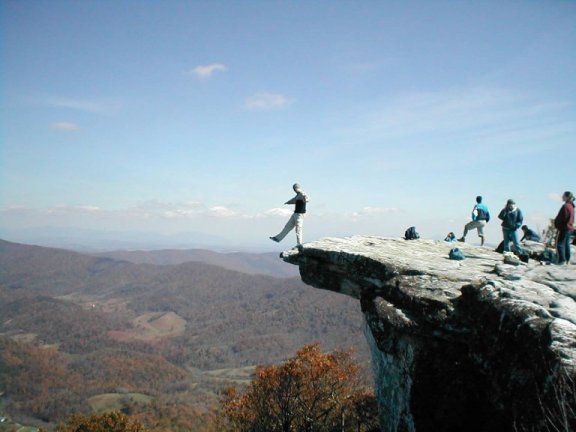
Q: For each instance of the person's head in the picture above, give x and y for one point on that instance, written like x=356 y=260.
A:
x=568 y=196
x=510 y=203
x=524 y=228
x=478 y=199
x=297 y=187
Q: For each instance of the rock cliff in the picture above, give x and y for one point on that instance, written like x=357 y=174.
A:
x=474 y=345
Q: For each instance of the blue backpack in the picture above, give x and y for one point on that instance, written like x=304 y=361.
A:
x=411 y=234
x=456 y=254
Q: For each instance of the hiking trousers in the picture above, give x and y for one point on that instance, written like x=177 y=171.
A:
x=295 y=221
x=511 y=235
x=478 y=224
x=563 y=242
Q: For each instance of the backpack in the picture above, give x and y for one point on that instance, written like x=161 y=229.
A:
x=483 y=215
x=411 y=234
x=456 y=254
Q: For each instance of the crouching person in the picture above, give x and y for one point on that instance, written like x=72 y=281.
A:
x=530 y=234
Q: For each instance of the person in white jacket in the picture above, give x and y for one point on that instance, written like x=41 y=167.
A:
x=297 y=218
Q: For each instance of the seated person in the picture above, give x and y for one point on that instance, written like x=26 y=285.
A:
x=530 y=234
x=450 y=237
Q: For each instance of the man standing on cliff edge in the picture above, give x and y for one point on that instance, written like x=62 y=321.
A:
x=297 y=218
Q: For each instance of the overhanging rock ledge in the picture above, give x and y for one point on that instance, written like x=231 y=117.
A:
x=475 y=345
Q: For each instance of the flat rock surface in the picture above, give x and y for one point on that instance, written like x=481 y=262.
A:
x=422 y=271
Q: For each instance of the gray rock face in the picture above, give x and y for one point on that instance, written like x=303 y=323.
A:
x=475 y=345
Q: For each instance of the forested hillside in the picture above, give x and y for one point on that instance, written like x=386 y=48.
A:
x=81 y=333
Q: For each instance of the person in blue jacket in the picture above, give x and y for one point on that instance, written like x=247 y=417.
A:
x=512 y=219
x=530 y=234
x=480 y=217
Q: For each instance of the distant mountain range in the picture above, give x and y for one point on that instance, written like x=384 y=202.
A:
x=79 y=328
x=94 y=240
x=262 y=263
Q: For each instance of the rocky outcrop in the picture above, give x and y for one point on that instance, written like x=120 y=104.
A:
x=472 y=345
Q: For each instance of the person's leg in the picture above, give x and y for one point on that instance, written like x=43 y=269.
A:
x=561 y=246
x=465 y=230
x=568 y=242
x=480 y=228
x=287 y=228
x=469 y=226
x=299 y=227
x=506 y=235
x=514 y=237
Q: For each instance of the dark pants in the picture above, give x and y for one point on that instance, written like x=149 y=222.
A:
x=563 y=246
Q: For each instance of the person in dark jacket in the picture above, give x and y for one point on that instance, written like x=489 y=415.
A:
x=530 y=234
x=512 y=219
x=297 y=218
x=564 y=223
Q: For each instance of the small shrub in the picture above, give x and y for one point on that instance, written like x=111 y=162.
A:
x=113 y=421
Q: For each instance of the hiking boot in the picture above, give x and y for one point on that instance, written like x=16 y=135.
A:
x=274 y=239
x=462 y=239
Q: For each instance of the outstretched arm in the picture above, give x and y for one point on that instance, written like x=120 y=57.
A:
x=298 y=196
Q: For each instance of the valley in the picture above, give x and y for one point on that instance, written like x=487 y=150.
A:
x=81 y=333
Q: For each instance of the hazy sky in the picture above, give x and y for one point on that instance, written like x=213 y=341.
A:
x=197 y=116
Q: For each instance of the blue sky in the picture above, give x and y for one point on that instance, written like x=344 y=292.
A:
x=195 y=116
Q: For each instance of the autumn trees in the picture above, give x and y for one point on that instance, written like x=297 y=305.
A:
x=311 y=392
x=107 y=422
